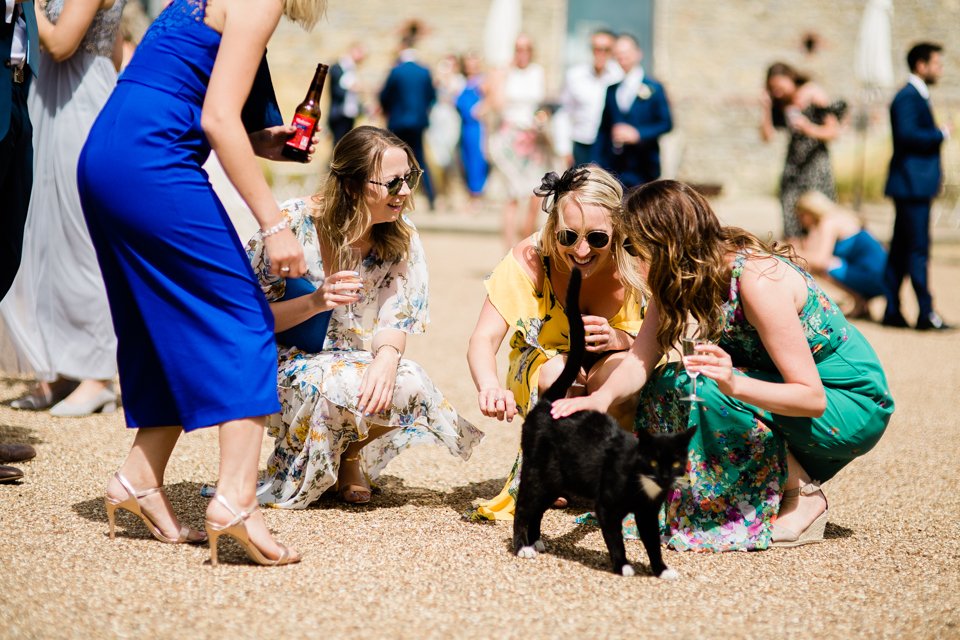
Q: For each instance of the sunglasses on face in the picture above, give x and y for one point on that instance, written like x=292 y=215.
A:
x=601 y=49
x=394 y=186
x=596 y=239
x=629 y=247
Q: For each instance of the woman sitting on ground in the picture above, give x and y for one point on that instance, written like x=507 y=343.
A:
x=346 y=407
x=837 y=246
x=584 y=228
x=792 y=392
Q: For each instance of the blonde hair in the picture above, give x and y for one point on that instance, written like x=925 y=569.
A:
x=679 y=236
x=306 y=13
x=815 y=204
x=340 y=209
x=598 y=188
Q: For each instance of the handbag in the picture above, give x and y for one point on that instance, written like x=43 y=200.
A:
x=310 y=334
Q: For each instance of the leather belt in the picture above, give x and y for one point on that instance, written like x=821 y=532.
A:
x=16 y=73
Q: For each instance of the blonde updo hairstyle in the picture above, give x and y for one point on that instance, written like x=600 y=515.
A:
x=596 y=187
x=340 y=209
x=305 y=13
x=676 y=232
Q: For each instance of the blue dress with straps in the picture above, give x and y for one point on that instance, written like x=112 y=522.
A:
x=195 y=334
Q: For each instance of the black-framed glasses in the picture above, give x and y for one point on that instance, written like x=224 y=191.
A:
x=596 y=239
x=394 y=186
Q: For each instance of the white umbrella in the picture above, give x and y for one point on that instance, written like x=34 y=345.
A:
x=501 y=31
x=874 y=72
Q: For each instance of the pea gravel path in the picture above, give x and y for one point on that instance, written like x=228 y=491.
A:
x=407 y=566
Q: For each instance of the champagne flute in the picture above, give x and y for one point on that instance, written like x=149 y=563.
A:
x=689 y=342
x=351 y=259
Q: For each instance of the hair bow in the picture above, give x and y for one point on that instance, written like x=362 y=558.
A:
x=553 y=185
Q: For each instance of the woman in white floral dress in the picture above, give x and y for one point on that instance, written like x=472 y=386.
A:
x=347 y=408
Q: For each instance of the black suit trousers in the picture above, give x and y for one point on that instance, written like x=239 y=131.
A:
x=909 y=255
x=16 y=182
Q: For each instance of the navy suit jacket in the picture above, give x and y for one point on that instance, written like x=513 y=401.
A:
x=635 y=164
x=915 y=171
x=407 y=96
x=33 y=51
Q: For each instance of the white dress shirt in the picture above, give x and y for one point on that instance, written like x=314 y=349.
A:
x=629 y=88
x=920 y=86
x=18 y=48
x=583 y=96
x=348 y=80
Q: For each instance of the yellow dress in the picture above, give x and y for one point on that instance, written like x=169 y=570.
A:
x=538 y=331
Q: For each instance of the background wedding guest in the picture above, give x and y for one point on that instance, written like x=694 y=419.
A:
x=19 y=46
x=56 y=313
x=584 y=228
x=345 y=99
x=470 y=106
x=406 y=100
x=518 y=147
x=791 y=101
x=195 y=336
x=350 y=406
x=837 y=245
x=635 y=114
x=583 y=95
x=913 y=181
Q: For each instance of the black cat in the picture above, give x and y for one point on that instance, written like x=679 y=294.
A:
x=589 y=455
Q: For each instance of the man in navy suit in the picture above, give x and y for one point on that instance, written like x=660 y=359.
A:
x=635 y=114
x=19 y=48
x=406 y=99
x=913 y=182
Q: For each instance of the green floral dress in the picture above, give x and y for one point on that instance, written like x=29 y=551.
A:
x=737 y=462
x=318 y=391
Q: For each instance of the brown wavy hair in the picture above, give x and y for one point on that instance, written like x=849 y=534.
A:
x=677 y=234
x=340 y=211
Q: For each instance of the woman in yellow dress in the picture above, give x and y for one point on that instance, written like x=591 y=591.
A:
x=584 y=228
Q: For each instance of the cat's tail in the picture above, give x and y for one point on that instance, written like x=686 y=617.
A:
x=578 y=343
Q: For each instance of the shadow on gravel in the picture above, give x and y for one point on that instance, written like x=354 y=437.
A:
x=11 y=434
x=836 y=531
x=189 y=505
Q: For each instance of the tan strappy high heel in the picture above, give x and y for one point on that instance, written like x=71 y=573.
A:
x=132 y=504
x=353 y=493
x=785 y=537
x=237 y=529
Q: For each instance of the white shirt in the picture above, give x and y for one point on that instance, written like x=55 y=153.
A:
x=18 y=48
x=920 y=86
x=582 y=99
x=629 y=88
x=348 y=80
x=523 y=91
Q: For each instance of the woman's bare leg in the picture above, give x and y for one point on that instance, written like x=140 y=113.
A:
x=623 y=412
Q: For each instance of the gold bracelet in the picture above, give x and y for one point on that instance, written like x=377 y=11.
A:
x=387 y=344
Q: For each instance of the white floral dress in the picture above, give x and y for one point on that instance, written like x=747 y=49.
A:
x=318 y=391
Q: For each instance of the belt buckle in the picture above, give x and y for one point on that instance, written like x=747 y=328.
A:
x=17 y=73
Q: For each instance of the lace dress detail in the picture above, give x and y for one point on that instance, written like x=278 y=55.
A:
x=178 y=14
x=101 y=35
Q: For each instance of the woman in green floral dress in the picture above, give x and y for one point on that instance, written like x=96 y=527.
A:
x=791 y=391
x=348 y=406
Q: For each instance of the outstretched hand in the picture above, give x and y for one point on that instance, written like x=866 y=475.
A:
x=268 y=143
x=497 y=403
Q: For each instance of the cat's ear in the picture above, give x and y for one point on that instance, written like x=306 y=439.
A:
x=685 y=436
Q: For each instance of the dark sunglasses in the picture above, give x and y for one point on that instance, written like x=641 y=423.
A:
x=394 y=186
x=601 y=49
x=629 y=248
x=596 y=239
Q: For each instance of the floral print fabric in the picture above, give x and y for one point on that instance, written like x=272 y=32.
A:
x=737 y=463
x=318 y=391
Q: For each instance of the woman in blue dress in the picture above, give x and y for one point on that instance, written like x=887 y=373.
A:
x=475 y=167
x=195 y=335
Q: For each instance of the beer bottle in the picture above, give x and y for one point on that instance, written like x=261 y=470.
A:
x=305 y=118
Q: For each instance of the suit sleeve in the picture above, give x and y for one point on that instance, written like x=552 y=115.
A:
x=431 y=91
x=386 y=94
x=908 y=133
x=662 y=122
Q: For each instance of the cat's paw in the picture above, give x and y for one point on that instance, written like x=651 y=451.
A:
x=669 y=574
x=527 y=552
x=539 y=547
x=627 y=571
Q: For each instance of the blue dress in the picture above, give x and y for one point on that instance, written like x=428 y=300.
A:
x=862 y=263
x=195 y=334
x=475 y=167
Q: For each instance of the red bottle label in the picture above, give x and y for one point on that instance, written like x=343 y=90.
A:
x=301 y=138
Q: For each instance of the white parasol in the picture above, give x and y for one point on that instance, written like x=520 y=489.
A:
x=501 y=31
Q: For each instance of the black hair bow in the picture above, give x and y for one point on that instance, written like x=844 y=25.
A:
x=552 y=185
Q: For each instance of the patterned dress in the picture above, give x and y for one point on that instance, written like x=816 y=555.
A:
x=539 y=331
x=737 y=463
x=807 y=167
x=318 y=391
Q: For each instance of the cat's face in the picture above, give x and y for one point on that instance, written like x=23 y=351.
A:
x=662 y=460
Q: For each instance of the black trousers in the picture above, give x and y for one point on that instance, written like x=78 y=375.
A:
x=16 y=182
x=909 y=255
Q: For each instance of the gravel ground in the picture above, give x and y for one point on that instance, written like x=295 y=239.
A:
x=407 y=566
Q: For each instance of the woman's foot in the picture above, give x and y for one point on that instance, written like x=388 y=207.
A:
x=90 y=396
x=802 y=516
x=44 y=395
x=352 y=485
x=155 y=506
x=256 y=527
